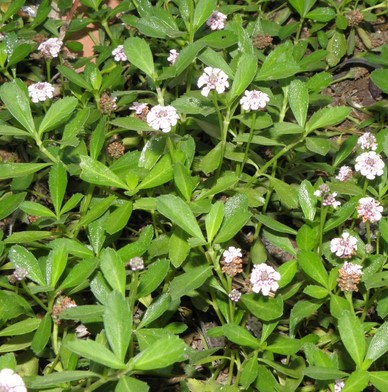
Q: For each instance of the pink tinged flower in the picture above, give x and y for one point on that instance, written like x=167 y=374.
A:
x=322 y=190
x=11 y=381
x=138 y=107
x=351 y=268
x=51 y=47
x=344 y=246
x=213 y=79
x=370 y=165
x=367 y=142
x=162 y=117
x=173 y=56
x=369 y=209
x=254 y=100
x=264 y=278
x=40 y=91
x=216 y=21
x=339 y=384
x=231 y=253
x=330 y=200
x=235 y=295
x=344 y=174
x=118 y=54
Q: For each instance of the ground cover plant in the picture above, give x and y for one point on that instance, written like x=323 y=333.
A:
x=201 y=204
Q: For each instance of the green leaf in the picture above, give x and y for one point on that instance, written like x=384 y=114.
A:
x=380 y=79
x=312 y=265
x=318 y=145
x=186 y=56
x=14 y=170
x=139 y=247
x=10 y=202
x=250 y=371
x=345 y=150
x=302 y=6
x=42 y=335
x=74 y=77
x=178 y=247
x=356 y=382
x=287 y=194
x=21 y=327
x=283 y=345
x=55 y=265
x=162 y=353
x=113 y=269
x=300 y=311
x=327 y=117
x=245 y=73
x=324 y=373
x=264 y=308
x=298 y=99
x=7 y=130
x=22 y=258
x=352 y=336
x=322 y=14
x=132 y=124
x=22 y=237
x=214 y=220
x=336 y=48
x=83 y=313
x=36 y=209
x=307 y=200
x=95 y=172
x=317 y=292
x=378 y=279
x=175 y=209
x=152 y=278
x=58 y=378
x=287 y=272
x=182 y=284
x=130 y=384
x=139 y=54
x=379 y=380
x=79 y=273
x=378 y=346
x=57 y=114
x=183 y=180
x=19 y=306
x=96 y=211
x=202 y=13
x=57 y=185
x=273 y=224
x=96 y=352
x=119 y=218
x=158 y=307
x=338 y=305
x=212 y=160
x=71 y=203
x=16 y=101
x=240 y=336
x=118 y=323
x=161 y=173
x=97 y=139
x=236 y=215
x=340 y=216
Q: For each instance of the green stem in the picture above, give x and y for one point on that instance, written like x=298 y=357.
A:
x=321 y=226
x=44 y=150
x=105 y=25
x=35 y=298
x=248 y=144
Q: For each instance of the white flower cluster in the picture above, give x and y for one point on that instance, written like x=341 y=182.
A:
x=344 y=246
x=367 y=142
x=11 y=381
x=345 y=173
x=329 y=199
x=350 y=268
x=264 y=278
x=370 y=165
x=254 y=100
x=162 y=118
x=139 y=107
x=173 y=56
x=369 y=209
x=231 y=253
x=216 y=21
x=40 y=91
x=213 y=79
x=51 y=47
x=118 y=54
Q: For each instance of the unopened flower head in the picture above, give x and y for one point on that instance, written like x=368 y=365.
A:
x=51 y=47
x=20 y=274
x=254 y=100
x=367 y=141
x=11 y=381
x=62 y=303
x=162 y=118
x=107 y=103
x=136 y=264
x=118 y=54
x=40 y=92
x=213 y=79
x=173 y=56
x=344 y=246
x=216 y=21
x=330 y=200
x=235 y=295
x=349 y=276
x=369 y=209
x=81 y=331
x=231 y=253
x=345 y=173
x=264 y=278
x=370 y=165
